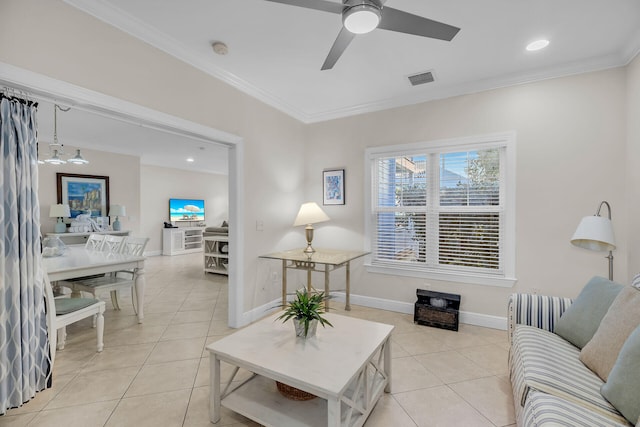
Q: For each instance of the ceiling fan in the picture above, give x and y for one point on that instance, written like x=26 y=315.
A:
x=363 y=16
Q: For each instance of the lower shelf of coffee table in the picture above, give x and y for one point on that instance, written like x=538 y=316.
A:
x=259 y=400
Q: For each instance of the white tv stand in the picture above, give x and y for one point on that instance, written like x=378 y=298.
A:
x=182 y=240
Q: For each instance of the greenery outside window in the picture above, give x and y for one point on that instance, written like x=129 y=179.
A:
x=444 y=209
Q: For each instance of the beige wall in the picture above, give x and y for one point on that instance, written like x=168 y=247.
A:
x=124 y=184
x=632 y=182
x=571 y=151
x=159 y=184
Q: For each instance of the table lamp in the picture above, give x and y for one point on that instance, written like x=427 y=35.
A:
x=117 y=211
x=596 y=233
x=309 y=213
x=60 y=211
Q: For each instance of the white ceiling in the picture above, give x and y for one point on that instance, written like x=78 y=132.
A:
x=83 y=129
x=276 y=50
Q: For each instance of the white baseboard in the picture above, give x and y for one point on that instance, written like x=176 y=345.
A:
x=466 y=317
x=469 y=318
x=261 y=311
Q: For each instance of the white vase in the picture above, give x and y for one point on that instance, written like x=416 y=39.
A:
x=299 y=326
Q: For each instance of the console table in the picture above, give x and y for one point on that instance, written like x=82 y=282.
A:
x=81 y=238
x=323 y=261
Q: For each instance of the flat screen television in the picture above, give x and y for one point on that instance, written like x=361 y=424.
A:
x=186 y=210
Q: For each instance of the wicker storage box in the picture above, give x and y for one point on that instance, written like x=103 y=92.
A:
x=293 y=393
x=437 y=309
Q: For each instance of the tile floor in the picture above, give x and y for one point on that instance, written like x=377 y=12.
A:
x=156 y=374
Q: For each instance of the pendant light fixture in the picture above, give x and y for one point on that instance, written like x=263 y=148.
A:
x=78 y=159
x=56 y=149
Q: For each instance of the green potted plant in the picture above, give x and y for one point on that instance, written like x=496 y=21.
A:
x=306 y=310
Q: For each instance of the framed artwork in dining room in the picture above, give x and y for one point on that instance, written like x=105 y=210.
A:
x=84 y=193
x=333 y=187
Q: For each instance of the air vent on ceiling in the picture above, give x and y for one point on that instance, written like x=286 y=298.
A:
x=421 y=78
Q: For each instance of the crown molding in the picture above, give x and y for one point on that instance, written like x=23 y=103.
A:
x=116 y=17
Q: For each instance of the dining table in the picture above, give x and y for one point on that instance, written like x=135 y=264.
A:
x=77 y=261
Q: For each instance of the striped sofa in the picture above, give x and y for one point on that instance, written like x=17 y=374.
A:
x=551 y=386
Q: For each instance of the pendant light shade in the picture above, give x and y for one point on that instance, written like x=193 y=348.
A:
x=78 y=159
x=55 y=159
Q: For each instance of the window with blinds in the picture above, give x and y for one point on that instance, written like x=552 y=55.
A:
x=441 y=208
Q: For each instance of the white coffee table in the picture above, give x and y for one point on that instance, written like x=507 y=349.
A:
x=347 y=367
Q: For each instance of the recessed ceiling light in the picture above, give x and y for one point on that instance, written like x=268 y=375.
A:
x=537 y=45
x=190 y=159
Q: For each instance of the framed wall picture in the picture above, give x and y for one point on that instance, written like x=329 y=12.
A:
x=333 y=187
x=84 y=193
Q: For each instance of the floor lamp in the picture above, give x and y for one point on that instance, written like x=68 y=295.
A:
x=596 y=233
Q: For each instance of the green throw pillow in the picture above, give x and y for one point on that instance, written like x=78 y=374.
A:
x=622 y=388
x=580 y=321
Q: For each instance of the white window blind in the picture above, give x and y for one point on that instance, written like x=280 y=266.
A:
x=441 y=209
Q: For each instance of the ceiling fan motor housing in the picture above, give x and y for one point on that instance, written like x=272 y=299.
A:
x=350 y=3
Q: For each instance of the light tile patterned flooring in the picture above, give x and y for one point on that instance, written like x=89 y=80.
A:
x=156 y=374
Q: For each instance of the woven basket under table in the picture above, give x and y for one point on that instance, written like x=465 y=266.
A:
x=293 y=393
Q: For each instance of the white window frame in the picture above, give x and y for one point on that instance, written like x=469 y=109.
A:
x=506 y=140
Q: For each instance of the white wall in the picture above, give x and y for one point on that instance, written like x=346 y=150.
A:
x=571 y=151
x=124 y=184
x=632 y=182
x=159 y=184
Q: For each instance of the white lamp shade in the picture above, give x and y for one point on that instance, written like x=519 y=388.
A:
x=117 y=210
x=59 y=211
x=310 y=213
x=594 y=233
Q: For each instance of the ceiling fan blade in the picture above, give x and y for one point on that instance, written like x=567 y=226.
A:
x=403 y=22
x=339 y=46
x=326 y=6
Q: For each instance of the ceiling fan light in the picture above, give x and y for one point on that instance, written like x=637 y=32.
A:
x=78 y=159
x=361 y=19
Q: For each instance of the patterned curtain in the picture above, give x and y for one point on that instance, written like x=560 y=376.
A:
x=25 y=366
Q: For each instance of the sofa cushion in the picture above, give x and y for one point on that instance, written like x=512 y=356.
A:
x=622 y=388
x=623 y=317
x=547 y=410
x=543 y=361
x=580 y=322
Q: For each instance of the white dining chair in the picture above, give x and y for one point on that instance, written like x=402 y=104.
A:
x=112 y=244
x=94 y=242
x=63 y=311
x=113 y=282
